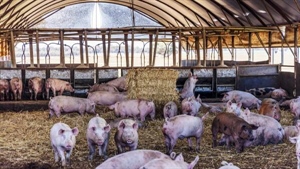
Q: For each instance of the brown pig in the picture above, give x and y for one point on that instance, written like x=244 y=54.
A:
x=270 y=107
x=182 y=126
x=16 y=87
x=127 y=135
x=57 y=85
x=233 y=127
x=67 y=104
x=4 y=89
x=105 y=98
x=188 y=87
x=36 y=86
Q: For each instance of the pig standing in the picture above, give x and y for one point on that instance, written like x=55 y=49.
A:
x=167 y=163
x=63 y=140
x=182 y=126
x=134 y=108
x=119 y=83
x=97 y=134
x=67 y=104
x=127 y=135
x=170 y=109
x=16 y=87
x=191 y=105
x=4 y=89
x=233 y=127
x=105 y=98
x=103 y=87
x=131 y=159
x=292 y=131
x=188 y=87
x=270 y=107
x=35 y=85
x=57 y=85
x=279 y=94
x=247 y=99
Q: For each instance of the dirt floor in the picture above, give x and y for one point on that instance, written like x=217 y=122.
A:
x=25 y=143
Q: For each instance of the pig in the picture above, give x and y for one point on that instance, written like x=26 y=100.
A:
x=233 y=108
x=270 y=107
x=182 y=126
x=127 y=135
x=63 y=139
x=136 y=108
x=296 y=140
x=170 y=109
x=4 y=89
x=103 y=87
x=119 y=83
x=270 y=130
x=295 y=107
x=232 y=126
x=105 y=98
x=97 y=134
x=214 y=109
x=279 y=94
x=247 y=99
x=57 y=85
x=226 y=165
x=16 y=87
x=35 y=86
x=191 y=105
x=292 y=131
x=67 y=104
x=188 y=87
x=167 y=163
x=261 y=92
x=132 y=159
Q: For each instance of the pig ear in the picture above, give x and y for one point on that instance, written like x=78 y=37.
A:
x=75 y=131
x=167 y=119
x=239 y=104
x=173 y=155
x=107 y=128
x=179 y=157
x=254 y=127
x=247 y=111
x=293 y=139
x=193 y=163
x=121 y=125
x=229 y=103
x=135 y=125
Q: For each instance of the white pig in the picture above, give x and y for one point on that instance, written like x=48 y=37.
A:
x=127 y=135
x=182 y=126
x=63 y=139
x=167 y=163
x=136 y=108
x=170 y=109
x=296 y=140
x=131 y=159
x=68 y=104
x=105 y=98
x=191 y=106
x=97 y=134
x=188 y=87
x=295 y=107
x=119 y=83
x=247 y=99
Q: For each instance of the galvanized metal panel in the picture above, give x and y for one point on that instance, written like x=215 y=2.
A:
x=204 y=72
x=8 y=74
x=231 y=72
x=60 y=74
x=257 y=70
x=35 y=73
x=84 y=74
x=107 y=73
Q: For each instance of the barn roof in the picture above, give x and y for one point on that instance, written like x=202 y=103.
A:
x=169 y=13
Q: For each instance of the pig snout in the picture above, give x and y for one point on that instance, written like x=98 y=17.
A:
x=128 y=138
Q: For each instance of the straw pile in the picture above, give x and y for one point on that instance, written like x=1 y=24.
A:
x=158 y=85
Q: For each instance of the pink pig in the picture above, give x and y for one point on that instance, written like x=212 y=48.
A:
x=16 y=86
x=63 y=140
x=57 y=85
x=188 y=87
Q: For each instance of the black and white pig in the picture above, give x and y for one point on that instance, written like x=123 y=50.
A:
x=97 y=134
x=127 y=135
x=261 y=92
x=68 y=104
x=180 y=127
x=63 y=139
x=247 y=99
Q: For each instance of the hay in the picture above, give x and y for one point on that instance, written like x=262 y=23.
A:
x=25 y=143
x=158 y=85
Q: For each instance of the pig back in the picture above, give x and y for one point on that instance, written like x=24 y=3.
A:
x=119 y=83
x=131 y=159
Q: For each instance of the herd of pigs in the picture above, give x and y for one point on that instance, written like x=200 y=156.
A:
x=239 y=126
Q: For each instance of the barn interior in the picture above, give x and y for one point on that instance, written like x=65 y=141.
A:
x=228 y=44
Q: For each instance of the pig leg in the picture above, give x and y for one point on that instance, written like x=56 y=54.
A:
x=120 y=148
x=47 y=92
x=31 y=93
x=35 y=94
x=56 y=157
x=91 y=150
x=198 y=141
x=190 y=143
x=172 y=145
x=68 y=154
x=167 y=143
x=53 y=91
x=152 y=115
x=62 y=156
x=102 y=149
